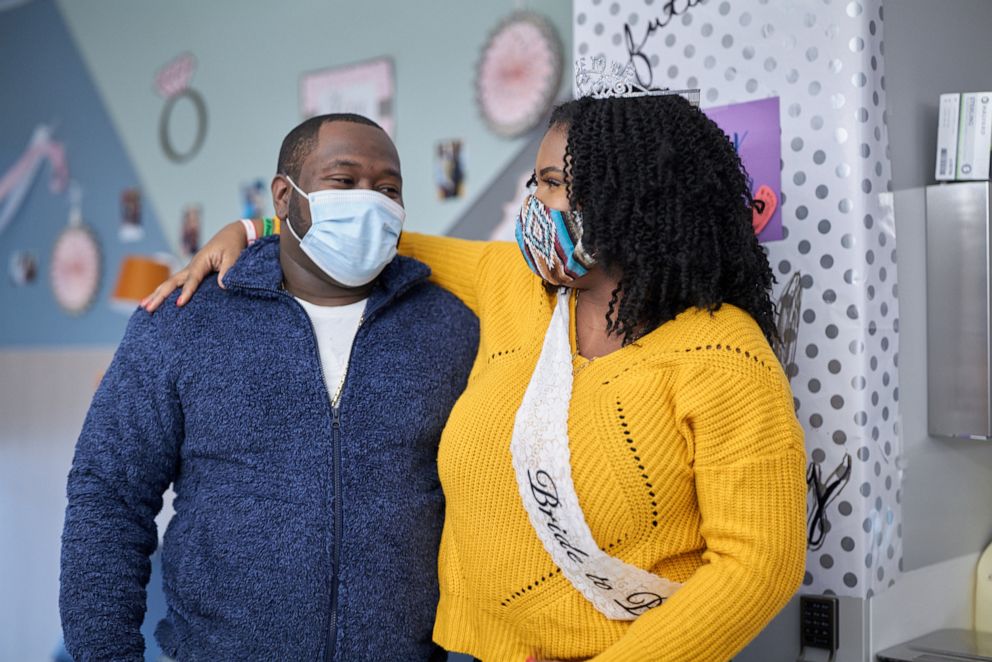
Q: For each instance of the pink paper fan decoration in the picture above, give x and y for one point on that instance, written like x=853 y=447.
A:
x=519 y=73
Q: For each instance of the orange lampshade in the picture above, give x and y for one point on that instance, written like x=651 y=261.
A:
x=139 y=277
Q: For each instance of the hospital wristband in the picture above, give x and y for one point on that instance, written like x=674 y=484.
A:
x=249 y=230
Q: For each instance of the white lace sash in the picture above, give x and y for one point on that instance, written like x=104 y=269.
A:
x=542 y=463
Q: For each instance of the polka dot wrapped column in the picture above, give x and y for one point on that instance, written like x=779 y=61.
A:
x=824 y=60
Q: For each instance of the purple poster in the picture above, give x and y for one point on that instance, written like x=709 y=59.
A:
x=754 y=129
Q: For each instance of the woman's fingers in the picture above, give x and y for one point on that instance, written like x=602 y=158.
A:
x=195 y=273
x=227 y=260
x=162 y=292
x=219 y=254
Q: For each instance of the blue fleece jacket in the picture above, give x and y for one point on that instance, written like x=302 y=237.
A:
x=301 y=532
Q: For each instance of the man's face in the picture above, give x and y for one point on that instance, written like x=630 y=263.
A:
x=347 y=156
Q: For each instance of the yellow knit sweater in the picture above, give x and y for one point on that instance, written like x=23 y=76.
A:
x=686 y=457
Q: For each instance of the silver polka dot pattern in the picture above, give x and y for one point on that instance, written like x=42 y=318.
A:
x=826 y=64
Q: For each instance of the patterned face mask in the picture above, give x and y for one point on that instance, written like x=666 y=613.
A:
x=551 y=242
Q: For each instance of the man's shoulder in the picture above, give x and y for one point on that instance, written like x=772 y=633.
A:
x=169 y=317
x=208 y=293
x=430 y=312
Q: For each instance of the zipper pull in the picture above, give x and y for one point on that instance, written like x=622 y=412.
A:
x=335 y=417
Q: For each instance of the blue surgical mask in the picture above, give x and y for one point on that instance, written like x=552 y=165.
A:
x=353 y=233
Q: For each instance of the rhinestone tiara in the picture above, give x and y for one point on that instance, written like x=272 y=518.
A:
x=602 y=80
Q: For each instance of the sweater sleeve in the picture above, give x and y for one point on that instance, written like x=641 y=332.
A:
x=749 y=465
x=125 y=458
x=456 y=264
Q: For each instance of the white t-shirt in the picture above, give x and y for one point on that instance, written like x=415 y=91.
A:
x=335 y=328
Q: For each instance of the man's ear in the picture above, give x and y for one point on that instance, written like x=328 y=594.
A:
x=281 y=190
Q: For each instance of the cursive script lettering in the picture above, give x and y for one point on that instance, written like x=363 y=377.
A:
x=638 y=603
x=544 y=490
x=600 y=582
x=545 y=493
x=635 y=49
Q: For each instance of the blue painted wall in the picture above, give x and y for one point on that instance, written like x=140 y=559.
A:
x=88 y=66
x=44 y=81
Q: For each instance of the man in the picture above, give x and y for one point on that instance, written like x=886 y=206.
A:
x=297 y=412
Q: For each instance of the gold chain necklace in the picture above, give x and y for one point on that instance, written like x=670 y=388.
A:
x=575 y=355
x=347 y=364
x=577 y=369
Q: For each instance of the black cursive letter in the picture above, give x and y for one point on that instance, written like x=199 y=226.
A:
x=638 y=603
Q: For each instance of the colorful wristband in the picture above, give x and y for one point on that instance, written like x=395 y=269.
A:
x=267 y=227
x=249 y=230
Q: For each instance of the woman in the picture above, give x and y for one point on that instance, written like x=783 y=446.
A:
x=630 y=486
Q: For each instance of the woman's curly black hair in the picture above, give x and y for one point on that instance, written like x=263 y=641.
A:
x=666 y=204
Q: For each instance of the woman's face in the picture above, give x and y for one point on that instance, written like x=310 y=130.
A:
x=549 y=174
x=549 y=169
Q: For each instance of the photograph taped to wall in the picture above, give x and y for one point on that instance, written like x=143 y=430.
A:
x=365 y=88
x=449 y=169
x=23 y=268
x=254 y=199
x=130 y=229
x=189 y=238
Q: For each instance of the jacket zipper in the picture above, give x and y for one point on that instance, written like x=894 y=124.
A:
x=332 y=630
x=331 y=642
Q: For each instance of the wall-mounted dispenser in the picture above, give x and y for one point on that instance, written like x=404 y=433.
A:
x=959 y=305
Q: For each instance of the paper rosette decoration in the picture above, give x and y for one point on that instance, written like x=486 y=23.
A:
x=77 y=266
x=519 y=73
